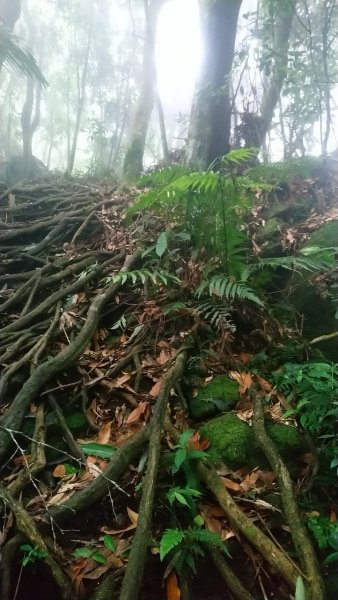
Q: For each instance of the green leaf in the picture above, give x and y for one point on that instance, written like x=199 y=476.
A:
x=170 y=539
x=333 y=557
x=109 y=543
x=83 y=552
x=199 y=521
x=161 y=244
x=96 y=449
x=76 y=420
x=300 y=589
x=70 y=469
x=98 y=557
x=26 y=548
x=181 y=499
x=180 y=457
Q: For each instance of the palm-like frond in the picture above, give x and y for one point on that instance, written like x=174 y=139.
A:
x=18 y=57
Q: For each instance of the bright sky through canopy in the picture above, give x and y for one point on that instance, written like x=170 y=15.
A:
x=178 y=53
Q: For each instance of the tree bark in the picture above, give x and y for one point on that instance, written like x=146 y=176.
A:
x=133 y=161
x=82 y=82
x=210 y=120
x=281 y=34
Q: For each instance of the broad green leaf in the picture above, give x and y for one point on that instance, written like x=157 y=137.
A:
x=109 y=543
x=161 y=244
x=96 y=449
x=98 y=557
x=180 y=457
x=83 y=552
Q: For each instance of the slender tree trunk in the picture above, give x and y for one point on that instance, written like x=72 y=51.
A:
x=81 y=96
x=210 y=121
x=282 y=29
x=133 y=162
x=163 y=132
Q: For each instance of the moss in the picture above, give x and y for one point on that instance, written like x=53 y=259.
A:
x=233 y=443
x=324 y=237
x=220 y=394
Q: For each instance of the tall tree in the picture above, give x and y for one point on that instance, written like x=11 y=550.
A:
x=276 y=35
x=133 y=162
x=81 y=80
x=210 y=121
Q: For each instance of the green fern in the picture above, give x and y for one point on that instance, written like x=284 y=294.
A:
x=225 y=287
x=323 y=261
x=142 y=276
x=215 y=313
x=283 y=172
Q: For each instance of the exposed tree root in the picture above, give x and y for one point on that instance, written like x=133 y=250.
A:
x=26 y=525
x=313 y=580
x=133 y=577
x=232 y=582
x=13 y=418
x=240 y=522
x=100 y=486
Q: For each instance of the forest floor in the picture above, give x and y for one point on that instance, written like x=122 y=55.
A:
x=101 y=358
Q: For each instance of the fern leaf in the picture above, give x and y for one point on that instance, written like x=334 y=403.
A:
x=170 y=539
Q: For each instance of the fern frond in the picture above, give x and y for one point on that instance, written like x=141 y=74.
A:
x=156 y=277
x=222 y=286
x=294 y=263
x=283 y=172
x=215 y=313
x=13 y=54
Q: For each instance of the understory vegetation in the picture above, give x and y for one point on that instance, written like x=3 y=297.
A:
x=165 y=406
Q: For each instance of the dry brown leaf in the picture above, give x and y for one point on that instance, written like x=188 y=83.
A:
x=163 y=357
x=137 y=413
x=155 y=390
x=266 y=477
x=59 y=471
x=231 y=485
x=120 y=381
x=133 y=516
x=103 y=436
x=173 y=590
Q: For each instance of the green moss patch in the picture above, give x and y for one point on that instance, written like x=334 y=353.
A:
x=220 y=394
x=232 y=442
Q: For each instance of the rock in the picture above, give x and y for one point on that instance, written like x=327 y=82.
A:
x=324 y=237
x=232 y=442
x=219 y=394
x=320 y=311
x=14 y=170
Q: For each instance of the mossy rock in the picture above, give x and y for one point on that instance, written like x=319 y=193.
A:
x=232 y=442
x=324 y=237
x=219 y=394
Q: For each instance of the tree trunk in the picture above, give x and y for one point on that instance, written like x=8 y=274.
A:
x=282 y=29
x=82 y=82
x=133 y=162
x=210 y=121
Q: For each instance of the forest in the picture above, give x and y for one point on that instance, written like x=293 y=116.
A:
x=168 y=299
